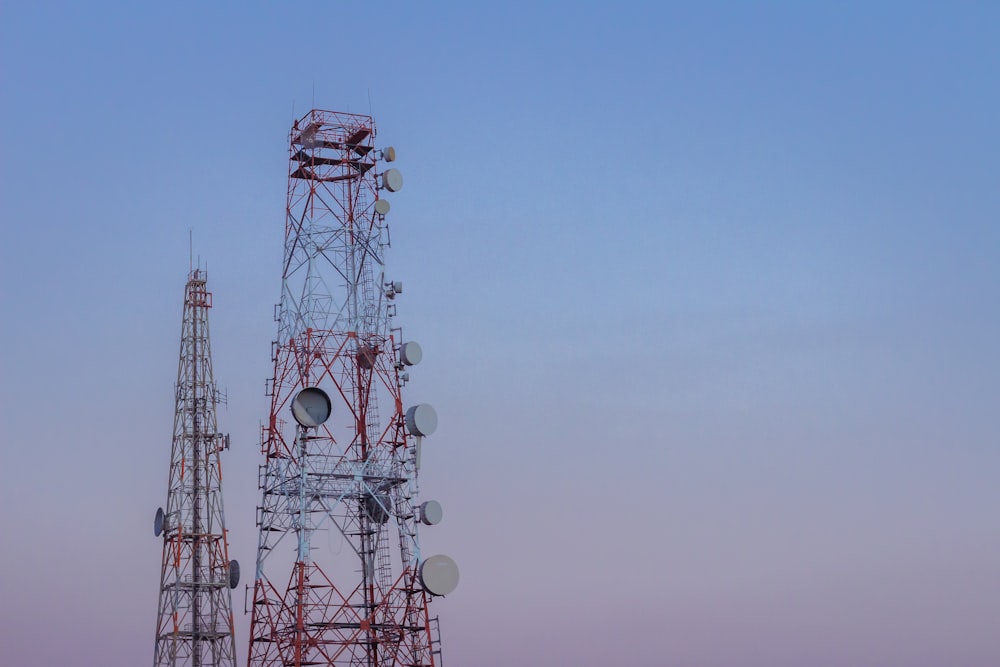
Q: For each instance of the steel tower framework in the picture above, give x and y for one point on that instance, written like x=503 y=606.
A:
x=339 y=572
x=194 y=624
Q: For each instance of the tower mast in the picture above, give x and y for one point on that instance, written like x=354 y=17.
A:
x=340 y=579
x=194 y=624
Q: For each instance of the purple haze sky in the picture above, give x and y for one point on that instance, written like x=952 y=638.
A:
x=709 y=297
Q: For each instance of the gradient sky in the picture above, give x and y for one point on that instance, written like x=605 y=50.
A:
x=709 y=297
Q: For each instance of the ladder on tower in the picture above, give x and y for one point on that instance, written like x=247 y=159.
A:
x=435 y=627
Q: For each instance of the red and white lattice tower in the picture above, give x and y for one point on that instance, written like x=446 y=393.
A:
x=194 y=624
x=340 y=579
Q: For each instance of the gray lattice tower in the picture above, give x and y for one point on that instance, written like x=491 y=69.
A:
x=194 y=623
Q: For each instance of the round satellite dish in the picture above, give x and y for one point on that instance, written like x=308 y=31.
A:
x=158 y=522
x=234 y=574
x=311 y=407
x=381 y=206
x=431 y=513
x=421 y=420
x=439 y=575
x=410 y=353
x=389 y=154
x=392 y=180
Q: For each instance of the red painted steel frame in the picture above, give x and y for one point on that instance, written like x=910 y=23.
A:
x=314 y=614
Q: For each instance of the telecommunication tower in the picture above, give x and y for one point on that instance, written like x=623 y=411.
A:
x=340 y=579
x=194 y=624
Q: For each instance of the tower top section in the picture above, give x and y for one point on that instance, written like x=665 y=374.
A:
x=331 y=146
x=335 y=232
x=196 y=292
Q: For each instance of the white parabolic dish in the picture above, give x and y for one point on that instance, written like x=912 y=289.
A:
x=431 y=513
x=381 y=206
x=439 y=575
x=421 y=420
x=311 y=407
x=410 y=353
x=392 y=180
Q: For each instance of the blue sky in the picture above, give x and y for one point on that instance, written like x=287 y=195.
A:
x=708 y=294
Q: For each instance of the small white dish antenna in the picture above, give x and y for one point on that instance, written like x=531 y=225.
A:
x=389 y=154
x=410 y=353
x=311 y=407
x=392 y=180
x=382 y=206
x=431 y=513
x=158 y=522
x=393 y=288
x=439 y=575
x=421 y=420
x=234 y=574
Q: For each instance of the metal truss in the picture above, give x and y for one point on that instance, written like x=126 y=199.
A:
x=194 y=624
x=336 y=580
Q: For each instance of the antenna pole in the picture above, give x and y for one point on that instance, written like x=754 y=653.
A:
x=194 y=625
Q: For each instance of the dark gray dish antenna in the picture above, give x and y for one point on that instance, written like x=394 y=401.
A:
x=158 y=522
x=234 y=573
x=377 y=508
x=311 y=407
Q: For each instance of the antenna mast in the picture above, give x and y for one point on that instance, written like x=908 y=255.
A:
x=340 y=579
x=194 y=624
